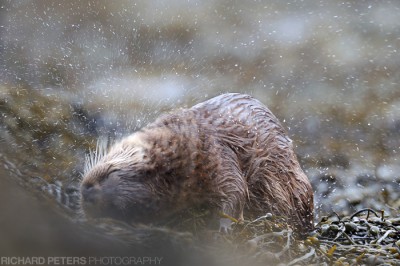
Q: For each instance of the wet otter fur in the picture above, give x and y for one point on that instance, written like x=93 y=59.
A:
x=229 y=151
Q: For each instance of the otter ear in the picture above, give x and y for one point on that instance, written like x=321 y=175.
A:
x=146 y=156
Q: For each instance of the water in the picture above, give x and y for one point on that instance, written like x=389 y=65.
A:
x=73 y=71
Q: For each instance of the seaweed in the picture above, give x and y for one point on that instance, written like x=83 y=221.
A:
x=366 y=237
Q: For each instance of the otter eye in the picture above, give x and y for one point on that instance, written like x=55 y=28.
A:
x=88 y=185
x=102 y=178
x=111 y=172
x=105 y=176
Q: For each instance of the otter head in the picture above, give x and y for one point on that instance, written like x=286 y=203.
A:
x=117 y=184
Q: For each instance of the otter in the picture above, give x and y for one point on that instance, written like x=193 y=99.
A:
x=230 y=152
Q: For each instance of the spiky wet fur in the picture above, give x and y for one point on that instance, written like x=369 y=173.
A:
x=230 y=151
x=94 y=156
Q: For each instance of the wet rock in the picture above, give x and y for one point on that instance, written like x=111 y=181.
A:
x=365 y=180
x=389 y=172
x=338 y=160
x=325 y=184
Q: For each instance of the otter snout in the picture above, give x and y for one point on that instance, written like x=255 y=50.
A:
x=92 y=199
x=90 y=193
x=109 y=192
x=98 y=196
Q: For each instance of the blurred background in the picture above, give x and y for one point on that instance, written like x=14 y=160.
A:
x=71 y=71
